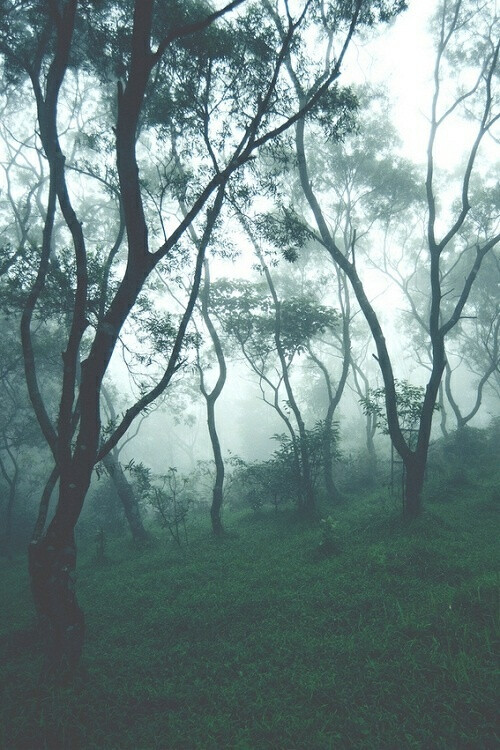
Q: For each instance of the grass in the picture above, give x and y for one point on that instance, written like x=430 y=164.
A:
x=259 y=642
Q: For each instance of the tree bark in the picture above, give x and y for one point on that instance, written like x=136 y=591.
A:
x=210 y=399
x=127 y=497
x=217 y=493
x=414 y=482
x=52 y=563
x=44 y=504
x=332 y=490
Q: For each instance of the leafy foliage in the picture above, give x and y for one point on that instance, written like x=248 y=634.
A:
x=409 y=402
x=171 y=502
x=247 y=313
x=274 y=482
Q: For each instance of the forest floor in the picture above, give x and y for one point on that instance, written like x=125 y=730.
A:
x=267 y=639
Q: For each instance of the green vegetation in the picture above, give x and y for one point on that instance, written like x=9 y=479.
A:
x=262 y=640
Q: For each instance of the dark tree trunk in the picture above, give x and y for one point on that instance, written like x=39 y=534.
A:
x=127 y=497
x=44 y=504
x=217 y=494
x=60 y=618
x=211 y=399
x=413 y=485
x=308 y=504
x=52 y=563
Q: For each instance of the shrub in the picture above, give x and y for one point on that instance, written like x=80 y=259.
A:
x=172 y=502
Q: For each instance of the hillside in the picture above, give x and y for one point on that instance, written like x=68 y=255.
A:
x=383 y=638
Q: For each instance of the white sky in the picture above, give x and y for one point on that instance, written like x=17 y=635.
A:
x=402 y=57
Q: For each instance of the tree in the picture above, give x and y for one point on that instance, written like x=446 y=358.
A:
x=223 y=92
x=471 y=31
x=124 y=490
x=272 y=333
x=211 y=397
x=366 y=185
x=21 y=441
x=288 y=338
x=342 y=342
x=477 y=343
x=473 y=342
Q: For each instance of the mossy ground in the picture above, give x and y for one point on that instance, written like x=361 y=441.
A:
x=260 y=641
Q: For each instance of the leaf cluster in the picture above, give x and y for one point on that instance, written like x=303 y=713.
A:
x=409 y=400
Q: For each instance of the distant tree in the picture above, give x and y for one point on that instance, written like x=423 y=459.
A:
x=22 y=447
x=367 y=185
x=114 y=469
x=476 y=344
x=341 y=339
x=271 y=334
x=362 y=388
x=211 y=395
x=473 y=343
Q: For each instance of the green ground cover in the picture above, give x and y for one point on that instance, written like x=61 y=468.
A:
x=264 y=641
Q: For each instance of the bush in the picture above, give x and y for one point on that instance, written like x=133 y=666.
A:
x=172 y=502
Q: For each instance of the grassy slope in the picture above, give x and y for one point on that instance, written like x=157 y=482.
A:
x=256 y=642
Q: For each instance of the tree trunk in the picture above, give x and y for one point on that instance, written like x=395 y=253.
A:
x=332 y=490
x=52 y=563
x=308 y=502
x=217 y=494
x=413 y=485
x=211 y=399
x=61 y=620
x=442 y=410
x=44 y=504
x=127 y=496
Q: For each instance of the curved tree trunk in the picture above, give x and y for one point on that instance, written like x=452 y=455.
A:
x=211 y=398
x=307 y=504
x=442 y=411
x=218 y=489
x=52 y=563
x=127 y=496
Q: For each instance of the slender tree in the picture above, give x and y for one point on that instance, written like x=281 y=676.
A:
x=124 y=490
x=211 y=396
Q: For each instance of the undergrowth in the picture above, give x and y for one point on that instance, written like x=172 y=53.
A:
x=257 y=641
